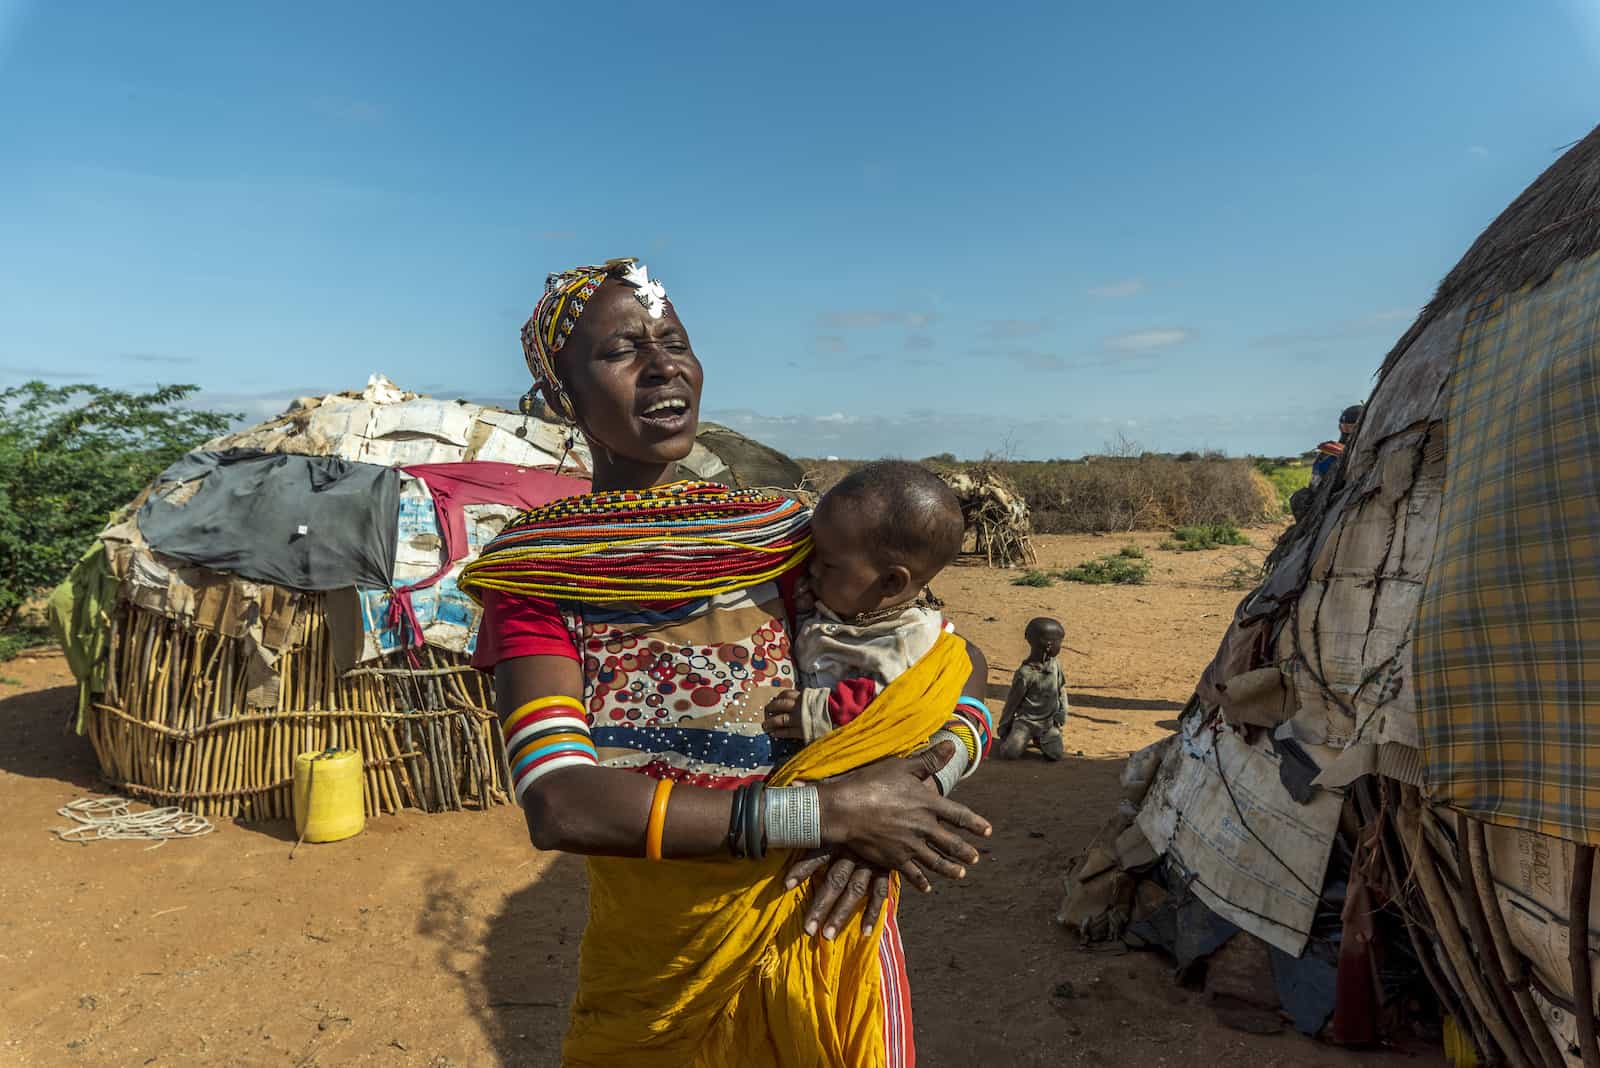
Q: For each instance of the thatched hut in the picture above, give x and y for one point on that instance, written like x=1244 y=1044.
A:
x=293 y=587
x=1390 y=773
x=996 y=513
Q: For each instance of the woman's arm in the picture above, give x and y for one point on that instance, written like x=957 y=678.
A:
x=603 y=811
x=884 y=813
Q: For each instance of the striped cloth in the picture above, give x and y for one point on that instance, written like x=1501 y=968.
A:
x=1507 y=653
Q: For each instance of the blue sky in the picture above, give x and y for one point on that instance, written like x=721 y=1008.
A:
x=891 y=230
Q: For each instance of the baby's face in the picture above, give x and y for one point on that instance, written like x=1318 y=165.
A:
x=843 y=575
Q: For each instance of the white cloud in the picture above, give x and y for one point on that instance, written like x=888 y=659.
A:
x=871 y=318
x=1128 y=287
x=1272 y=431
x=829 y=343
x=1142 y=341
x=1386 y=323
x=1015 y=328
x=1479 y=151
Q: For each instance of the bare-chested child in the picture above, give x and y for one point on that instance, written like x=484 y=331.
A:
x=880 y=536
x=1036 y=707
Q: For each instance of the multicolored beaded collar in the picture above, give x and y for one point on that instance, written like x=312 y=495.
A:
x=675 y=542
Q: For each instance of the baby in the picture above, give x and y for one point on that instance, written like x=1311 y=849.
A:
x=879 y=537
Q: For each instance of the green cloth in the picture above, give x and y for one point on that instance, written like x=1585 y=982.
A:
x=80 y=616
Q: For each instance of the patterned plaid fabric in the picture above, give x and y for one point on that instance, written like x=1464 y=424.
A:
x=1508 y=631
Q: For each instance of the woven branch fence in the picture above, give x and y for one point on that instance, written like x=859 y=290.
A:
x=181 y=722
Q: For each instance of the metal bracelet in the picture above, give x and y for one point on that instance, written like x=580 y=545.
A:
x=956 y=767
x=736 y=822
x=794 y=817
x=755 y=844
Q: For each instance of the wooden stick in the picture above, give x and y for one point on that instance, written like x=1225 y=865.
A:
x=1488 y=949
x=1578 y=952
x=1450 y=937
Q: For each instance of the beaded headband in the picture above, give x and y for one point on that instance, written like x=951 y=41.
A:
x=566 y=295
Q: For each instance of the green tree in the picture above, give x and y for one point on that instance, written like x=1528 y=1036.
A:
x=70 y=456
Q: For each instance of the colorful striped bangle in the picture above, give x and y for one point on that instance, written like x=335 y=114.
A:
x=980 y=708
x=545 y=735
x=538 y=706
x=980 y=722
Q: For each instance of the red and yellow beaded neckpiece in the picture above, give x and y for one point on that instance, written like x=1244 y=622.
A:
x=676 y=542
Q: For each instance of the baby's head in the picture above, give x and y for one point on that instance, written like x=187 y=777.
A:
x=881 y=535
x=1044 y=638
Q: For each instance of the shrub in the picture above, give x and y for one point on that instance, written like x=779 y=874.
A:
x=69 y=457
x=1287 y=479
x=1034 y=578
x=1205 y=536
x=1116 y=569
x=1131 y=552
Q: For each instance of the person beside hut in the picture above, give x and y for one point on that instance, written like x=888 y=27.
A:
x=630 y=632
x=1329 y=453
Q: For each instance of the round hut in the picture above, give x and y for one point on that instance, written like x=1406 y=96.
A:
x=1383 y=800
x=292 y=587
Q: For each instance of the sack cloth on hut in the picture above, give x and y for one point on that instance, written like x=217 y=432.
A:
x=305 y=522
x=1508 y=631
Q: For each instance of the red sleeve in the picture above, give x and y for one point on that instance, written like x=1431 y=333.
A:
x=520 y=626
x=850 y=698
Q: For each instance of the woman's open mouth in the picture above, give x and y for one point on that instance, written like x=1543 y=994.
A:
x=670 y=415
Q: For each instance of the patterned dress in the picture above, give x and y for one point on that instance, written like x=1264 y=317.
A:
x=678 y=691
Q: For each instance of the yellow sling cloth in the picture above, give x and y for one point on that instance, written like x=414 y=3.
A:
x=706 y=963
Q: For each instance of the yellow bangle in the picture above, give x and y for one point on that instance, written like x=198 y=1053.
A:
x=658 y=820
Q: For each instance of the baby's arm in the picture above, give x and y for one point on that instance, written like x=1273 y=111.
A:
x=806 y=715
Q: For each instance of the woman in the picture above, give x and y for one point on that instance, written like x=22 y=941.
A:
x=641 y=629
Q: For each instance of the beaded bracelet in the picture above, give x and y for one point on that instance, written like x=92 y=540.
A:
x=983 y=722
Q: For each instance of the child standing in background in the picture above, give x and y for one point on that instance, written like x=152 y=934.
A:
x=1036 y=708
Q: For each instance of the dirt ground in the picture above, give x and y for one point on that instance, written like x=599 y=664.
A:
x=446 y=940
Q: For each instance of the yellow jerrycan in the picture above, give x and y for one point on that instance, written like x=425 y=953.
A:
x=327 y=795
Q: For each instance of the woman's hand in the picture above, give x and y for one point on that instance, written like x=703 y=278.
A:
x=889 y=816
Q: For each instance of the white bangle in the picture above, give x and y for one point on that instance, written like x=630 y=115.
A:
x=955 y=767
x=794 y=817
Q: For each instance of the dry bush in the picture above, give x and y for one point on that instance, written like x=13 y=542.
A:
x=1115 y=493
x=1111 y=493
x=823 y=475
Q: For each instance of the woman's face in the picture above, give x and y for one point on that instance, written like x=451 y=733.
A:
x=634 y=381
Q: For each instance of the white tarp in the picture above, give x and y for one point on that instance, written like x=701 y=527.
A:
x=1250 y=852
x=386 y=425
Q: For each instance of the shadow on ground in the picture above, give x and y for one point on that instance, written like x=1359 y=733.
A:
x=37 y=740
x=527 y=973
x=523 y=982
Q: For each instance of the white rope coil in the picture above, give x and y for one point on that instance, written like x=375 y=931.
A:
x=98 y=818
